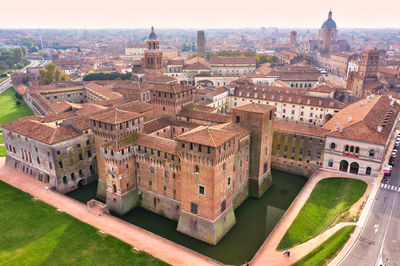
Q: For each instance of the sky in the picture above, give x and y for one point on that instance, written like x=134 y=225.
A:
x=199 y=14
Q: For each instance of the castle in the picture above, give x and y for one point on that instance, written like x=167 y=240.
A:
x=158 y=145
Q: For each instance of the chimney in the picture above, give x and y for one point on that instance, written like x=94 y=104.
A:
x=361 y=104
x=350 y=118
x=337 y=125
x=379 y=129
x=340 y=129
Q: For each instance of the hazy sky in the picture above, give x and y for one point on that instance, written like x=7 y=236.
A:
x=197 y=14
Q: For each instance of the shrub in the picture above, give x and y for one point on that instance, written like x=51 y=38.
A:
x=18 y=103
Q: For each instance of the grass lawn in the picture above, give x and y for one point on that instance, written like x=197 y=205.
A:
x=328 y=249
x=330 y=197
x=1 y=139
x=34 y=233
x=9 y=111
x=2 y=151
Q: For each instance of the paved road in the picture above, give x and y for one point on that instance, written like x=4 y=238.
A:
x=379 y=242
x=35 y=63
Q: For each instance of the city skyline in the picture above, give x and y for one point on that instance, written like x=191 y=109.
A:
x=207 y=14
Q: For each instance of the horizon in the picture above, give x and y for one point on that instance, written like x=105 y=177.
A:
x=124 y=14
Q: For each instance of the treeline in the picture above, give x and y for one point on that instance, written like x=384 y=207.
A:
x=13 y=58
x=260 y=58
x=107 y=76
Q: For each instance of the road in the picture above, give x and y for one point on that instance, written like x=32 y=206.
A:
x=379 y=242
x=34 y=63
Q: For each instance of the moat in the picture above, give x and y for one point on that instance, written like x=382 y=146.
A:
x=255 y=219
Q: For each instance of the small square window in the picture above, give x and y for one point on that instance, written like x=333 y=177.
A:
x=202 y=190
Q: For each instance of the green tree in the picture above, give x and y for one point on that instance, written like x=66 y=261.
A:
x=50 y=73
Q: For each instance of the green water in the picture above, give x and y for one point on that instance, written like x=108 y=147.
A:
x=255 y=219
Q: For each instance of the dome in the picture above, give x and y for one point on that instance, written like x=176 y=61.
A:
x=153 y=35
x=329 y=23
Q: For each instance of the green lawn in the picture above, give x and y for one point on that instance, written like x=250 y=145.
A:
x=34 y=233
x=1 y=139
x=2 y=151
x=9 y=111
x=330 y=197
x=328 y=249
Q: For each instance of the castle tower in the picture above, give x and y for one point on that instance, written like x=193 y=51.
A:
x=293 y=39
x=169 y=99
x=111 y=126
x=369 y=64
x=257 y=118
x=328 y=33
x=153 y=55
x=207 y=170
x=201 y=42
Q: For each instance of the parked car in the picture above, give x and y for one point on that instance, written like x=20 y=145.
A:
x=393 y=154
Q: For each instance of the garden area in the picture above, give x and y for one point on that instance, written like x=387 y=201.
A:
x=328 y=249
x=10 y=109
x=330 y=199
x=34 y=233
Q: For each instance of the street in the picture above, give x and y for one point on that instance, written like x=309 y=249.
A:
x=34 y=63
x=379 y=242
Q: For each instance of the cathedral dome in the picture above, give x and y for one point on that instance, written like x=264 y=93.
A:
x=153 y=35
x=329 y=23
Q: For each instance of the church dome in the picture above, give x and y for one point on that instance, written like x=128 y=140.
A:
x=329 y=23
x=153 y=35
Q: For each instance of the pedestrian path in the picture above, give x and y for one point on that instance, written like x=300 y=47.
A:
x=390 y=187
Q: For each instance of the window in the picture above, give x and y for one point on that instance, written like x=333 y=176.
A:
x=333 y=145
x=346 y=148
x=80 y=157
x=87 y=142
x=202 y=190
x=58 y=152
x=278 y=147
x=80 y=172
x=224 y=166
x=166 y=174
x=152 y=169
x=357 y=149
x=196 y=169
x=229 y=181
x=372 y=153
x=60 y=164
x=193 y=208
x=223 y=206
x=65 y=180
x=89 y=154
x=368 y=171
x=237 y=119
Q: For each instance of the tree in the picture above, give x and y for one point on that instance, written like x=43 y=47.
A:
x=50 y=73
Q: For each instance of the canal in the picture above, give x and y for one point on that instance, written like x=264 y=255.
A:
x=255 y=219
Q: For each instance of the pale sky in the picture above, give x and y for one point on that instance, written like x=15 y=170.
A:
x=199 y=14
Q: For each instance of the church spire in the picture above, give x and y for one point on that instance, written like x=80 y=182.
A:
x=330 y=14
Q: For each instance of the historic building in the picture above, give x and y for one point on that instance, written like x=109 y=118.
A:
x=359 y=136
x=232 y=65
x=153 y=55
x=201 y=42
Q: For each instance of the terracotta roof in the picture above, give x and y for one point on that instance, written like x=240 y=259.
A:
x=217 y=91
x=205 y=116
x=360 y=120
x=208 y=136
x=300 y=128
x=135 y=106
x=323 y=89
x=115 y=116
x=232 y=60
x=46 y=132
x=172 y=88
x=254 y=107
x=175 y=62
x=290 y=98
x=196 y=66
x=157 y=143
x=165 y=121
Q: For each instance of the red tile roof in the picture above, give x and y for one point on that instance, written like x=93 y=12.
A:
x=232 y=60
x=115 y=116
x=208 y=136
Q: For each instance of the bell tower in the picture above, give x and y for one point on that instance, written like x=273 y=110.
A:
x=153 y=54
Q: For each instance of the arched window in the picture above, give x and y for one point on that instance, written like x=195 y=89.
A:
x=371 y=153
x=368 y=171
x=357 y=149
x=352 y=149
x=196 y=169
x=333 y=145
x=330 y=163
x=114 y=188
x=224 y=166
x=346 y=148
